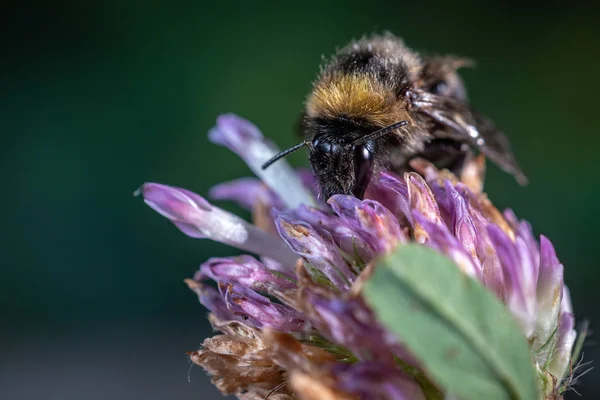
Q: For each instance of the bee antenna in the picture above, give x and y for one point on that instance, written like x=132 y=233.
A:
x=285 y=153
x=377 y=134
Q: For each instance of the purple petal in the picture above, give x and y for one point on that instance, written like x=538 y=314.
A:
x=442 y=240
x=565 y=338
x=345 y=207
x=511 y=218
x=393 y=183
x=374 y=223
x=234 y=132
x=443 y=200
x=211 y=299
x=244 y=139
x=492 y=275
x=317 y=248
x=197 y=218
x=246 y=192
x=549 y=290
x=462 y=223
x=421 y=199
x=525 y=232
x=489 y=264
x=245 y=271
x=259 y=311
x=381 y=224
x=520 y=289
x=344 y=236
x=528 y=272
x=350 y=323
x=392 y=193
x=173 y=203
x=565 y=304
x=377 y=380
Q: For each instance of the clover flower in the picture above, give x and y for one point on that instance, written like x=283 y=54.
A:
x=292 y=317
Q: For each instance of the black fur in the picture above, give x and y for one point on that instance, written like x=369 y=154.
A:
x=380 y=58
x=332 y=154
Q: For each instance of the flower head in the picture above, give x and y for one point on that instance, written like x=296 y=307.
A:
x=292 y=318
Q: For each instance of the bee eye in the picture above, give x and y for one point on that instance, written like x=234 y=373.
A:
x=363 y=154
x=439 y=87
x=363 y=169
x=323 y=146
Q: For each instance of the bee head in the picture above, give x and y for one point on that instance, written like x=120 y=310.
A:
x=342 y=161
x=334 y=163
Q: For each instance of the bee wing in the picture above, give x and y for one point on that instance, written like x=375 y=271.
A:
x=468 y=126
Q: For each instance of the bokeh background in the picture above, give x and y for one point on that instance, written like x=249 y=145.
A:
x=98 y=97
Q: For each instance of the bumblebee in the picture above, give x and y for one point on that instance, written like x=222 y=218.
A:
x=377 y=104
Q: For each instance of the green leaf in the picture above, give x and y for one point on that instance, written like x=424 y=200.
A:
x=465 y=338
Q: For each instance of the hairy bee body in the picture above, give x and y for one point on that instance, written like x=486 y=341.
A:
x=377 y=104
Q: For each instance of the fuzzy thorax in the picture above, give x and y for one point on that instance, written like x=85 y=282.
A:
x=356 y=96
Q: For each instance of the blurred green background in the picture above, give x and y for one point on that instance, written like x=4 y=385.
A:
x=99 y=97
